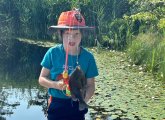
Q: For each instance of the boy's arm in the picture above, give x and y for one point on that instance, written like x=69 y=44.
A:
x=46 y=82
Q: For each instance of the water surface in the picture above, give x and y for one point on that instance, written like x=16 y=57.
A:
x=23 y=100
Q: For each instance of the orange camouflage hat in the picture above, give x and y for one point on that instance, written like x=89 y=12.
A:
x=70 y=20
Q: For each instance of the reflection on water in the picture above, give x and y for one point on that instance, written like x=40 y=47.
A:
x=20 y=100
x=23 y=111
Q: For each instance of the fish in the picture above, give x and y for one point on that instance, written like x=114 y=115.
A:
x=78 y=85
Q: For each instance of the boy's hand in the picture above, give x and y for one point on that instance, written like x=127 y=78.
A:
x=60 y=85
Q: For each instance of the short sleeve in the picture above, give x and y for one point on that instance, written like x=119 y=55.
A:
x=92 y=70
x=47 y=60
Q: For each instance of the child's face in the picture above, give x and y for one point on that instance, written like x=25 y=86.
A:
x=72 y=38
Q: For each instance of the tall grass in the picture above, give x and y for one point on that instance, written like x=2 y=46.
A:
x=161 y=63
x=149 y=49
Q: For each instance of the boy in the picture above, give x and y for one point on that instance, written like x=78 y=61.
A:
x=65 y=57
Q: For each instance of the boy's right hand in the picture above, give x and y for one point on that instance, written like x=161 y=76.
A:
x=60 y=85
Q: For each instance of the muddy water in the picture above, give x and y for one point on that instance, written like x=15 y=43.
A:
x=123 y=92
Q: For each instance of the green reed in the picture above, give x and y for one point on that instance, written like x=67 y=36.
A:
x=148 y=49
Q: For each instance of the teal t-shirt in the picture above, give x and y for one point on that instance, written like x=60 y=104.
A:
x=54 y=60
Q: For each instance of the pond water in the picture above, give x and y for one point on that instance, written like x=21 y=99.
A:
x=23 y=111
x=21 y=100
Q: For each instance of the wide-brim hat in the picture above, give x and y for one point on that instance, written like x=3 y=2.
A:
x=70 y=20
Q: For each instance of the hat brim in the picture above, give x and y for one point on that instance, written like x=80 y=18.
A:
x=53 y=29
